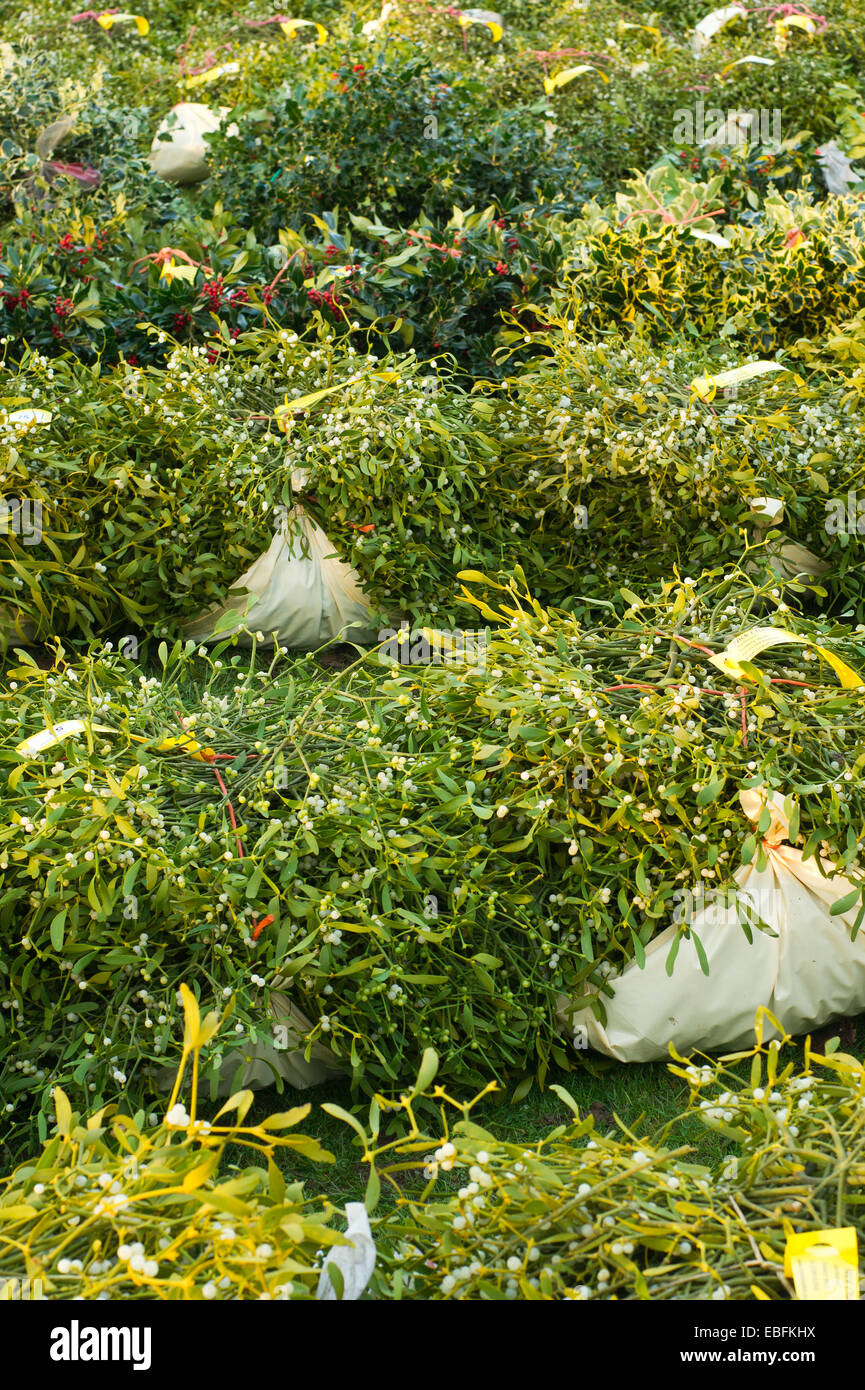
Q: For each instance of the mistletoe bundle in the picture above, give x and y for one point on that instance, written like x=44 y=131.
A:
x=121 y=1205
x=143 y=487
x=580 y=1215
x=420 y=855
x=126 y=861
x=657 y=457
x=137 y=1207
x=150 y=493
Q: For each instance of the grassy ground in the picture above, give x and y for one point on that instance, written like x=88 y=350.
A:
x=642 y=1098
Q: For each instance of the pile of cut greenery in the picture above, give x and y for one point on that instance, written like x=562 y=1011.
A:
x=581 y=1215
x=422 y=855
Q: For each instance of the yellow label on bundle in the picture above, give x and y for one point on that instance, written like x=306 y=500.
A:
x=47 y=738
x=749 y=58
x=706 y=386
x=290 y=27
x=24 y=419
x=795 y=21
x=824 y=1264
x=108 y=21
x=211 y=75
x=490 y=18
x=750 y=644
x=71 y=728
x=561 y=79
x=186 y=745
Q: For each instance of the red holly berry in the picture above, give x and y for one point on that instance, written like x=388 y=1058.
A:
x=214 y=292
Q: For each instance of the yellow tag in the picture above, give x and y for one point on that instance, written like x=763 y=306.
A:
x=290 y=27
x=706 y=386
x=47 y=738
x=25 y=419
x=71 y=728
x=750 y=644
x=211 y=75
x=750 y=58
x=561 y=79
x=486 y=17
x=824 y=1264
x=186 y=745
x=107 y=21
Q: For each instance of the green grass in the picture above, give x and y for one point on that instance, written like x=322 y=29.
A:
x=640 y=1097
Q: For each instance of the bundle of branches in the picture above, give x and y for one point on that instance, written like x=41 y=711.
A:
x=135 y=498
x=425 y=854
x=668 y=250
x=631 y=1215
x=682 y=455
x=120 y=1205
x=132 y=495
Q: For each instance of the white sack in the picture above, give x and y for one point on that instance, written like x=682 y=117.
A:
x=810 y=973
x=283 y=1056
x=182 y=158
x=375 y=26
x=789 y=559
x=738 y=129
x=306 y=599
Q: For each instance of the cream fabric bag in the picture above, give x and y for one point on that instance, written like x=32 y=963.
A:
x=808 y=974
x=283 y=1056
x=182 y=158
x=307 y=599
x=789 y=559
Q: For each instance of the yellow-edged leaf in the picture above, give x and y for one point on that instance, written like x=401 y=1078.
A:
x=63 y=1110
